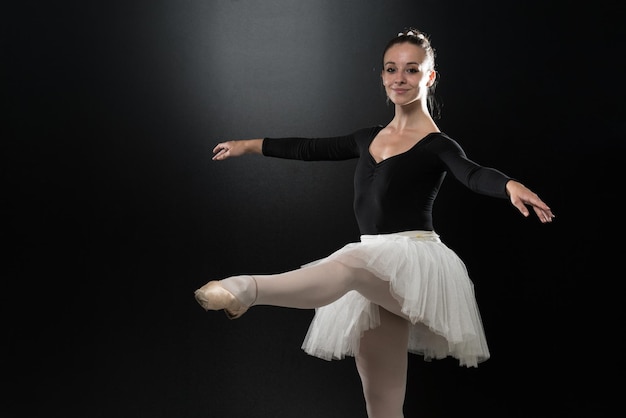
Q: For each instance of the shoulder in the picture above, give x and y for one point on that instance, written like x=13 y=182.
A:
x=369 y=131
x=367 y=134
x=442 y=142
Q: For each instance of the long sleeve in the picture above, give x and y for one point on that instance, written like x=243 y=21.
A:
x=484 y=180
x=313 y=149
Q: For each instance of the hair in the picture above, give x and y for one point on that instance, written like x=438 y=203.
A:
x=416 y=37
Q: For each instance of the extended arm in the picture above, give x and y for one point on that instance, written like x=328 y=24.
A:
x=308 y=149
x=489 y=181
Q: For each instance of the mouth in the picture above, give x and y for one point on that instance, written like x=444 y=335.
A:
x=400 y=91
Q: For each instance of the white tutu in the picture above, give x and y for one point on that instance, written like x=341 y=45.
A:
x=432 y=285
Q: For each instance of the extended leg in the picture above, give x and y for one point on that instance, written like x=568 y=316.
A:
x=321 y=284
x=382 y=364
x=305 y=288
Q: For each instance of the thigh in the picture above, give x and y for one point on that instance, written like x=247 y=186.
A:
x=382 y=363
x=385 y=346
x=377 y=290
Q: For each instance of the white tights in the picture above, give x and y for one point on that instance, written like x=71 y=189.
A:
x=382 y=358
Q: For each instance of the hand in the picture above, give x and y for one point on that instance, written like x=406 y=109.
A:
x=521 y=196
x=227 y=149
x=235 y=148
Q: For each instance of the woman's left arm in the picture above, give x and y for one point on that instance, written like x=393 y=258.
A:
x=489 y=181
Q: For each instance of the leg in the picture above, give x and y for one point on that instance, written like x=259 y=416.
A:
x=382 y=364
x=319 y=285
x=305 y=288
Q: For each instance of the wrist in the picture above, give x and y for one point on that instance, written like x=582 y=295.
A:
x=253 y=146
x=508 y=186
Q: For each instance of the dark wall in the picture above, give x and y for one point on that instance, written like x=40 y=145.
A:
x=115 y=212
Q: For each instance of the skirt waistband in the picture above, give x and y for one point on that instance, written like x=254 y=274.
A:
x=417 y=235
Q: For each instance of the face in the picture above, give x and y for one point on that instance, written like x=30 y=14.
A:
x=406 y=74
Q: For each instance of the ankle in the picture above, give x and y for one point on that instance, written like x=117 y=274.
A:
x=243 y=287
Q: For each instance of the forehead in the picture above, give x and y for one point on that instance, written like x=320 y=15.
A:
x=403 y=53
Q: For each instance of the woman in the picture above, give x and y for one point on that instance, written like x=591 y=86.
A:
x=400 y=288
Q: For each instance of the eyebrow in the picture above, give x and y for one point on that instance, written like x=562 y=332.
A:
x=408 y=63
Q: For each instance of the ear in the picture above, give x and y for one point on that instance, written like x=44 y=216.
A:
x=432 y=77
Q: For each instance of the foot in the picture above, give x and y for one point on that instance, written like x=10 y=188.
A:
x=213 y=296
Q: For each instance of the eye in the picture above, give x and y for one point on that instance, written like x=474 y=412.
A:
x=413 y=70
x=390 y=70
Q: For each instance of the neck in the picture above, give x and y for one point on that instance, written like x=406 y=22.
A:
x=413 y=116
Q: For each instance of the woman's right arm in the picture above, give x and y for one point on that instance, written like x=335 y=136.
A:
x=296 y=148
x=235 y=148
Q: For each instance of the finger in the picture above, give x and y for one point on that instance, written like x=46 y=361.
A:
x=220 y=150
x=540 y=216
x=221 y=154
x=542 y=210
x=521 y=207
x=545 y=216
x=536 y=201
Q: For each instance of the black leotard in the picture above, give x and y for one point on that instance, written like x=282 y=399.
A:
x=396 y=194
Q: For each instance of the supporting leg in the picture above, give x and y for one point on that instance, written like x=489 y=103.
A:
x=382 y=364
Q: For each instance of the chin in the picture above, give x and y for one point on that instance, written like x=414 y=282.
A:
x=405 y=102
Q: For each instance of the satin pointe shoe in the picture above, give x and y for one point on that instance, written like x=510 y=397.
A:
x=213 y=296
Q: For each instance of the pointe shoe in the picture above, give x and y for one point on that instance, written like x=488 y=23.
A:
x=213 y=296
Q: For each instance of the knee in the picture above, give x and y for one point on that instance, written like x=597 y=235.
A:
x=346 y=274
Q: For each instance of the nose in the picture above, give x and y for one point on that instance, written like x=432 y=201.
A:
x=399 y=78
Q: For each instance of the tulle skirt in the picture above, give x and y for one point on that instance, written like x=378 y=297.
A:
x=431 y=284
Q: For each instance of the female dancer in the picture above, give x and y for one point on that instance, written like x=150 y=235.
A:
x=399 y=289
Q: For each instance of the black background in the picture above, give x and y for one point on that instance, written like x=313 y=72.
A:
x=115 y=212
